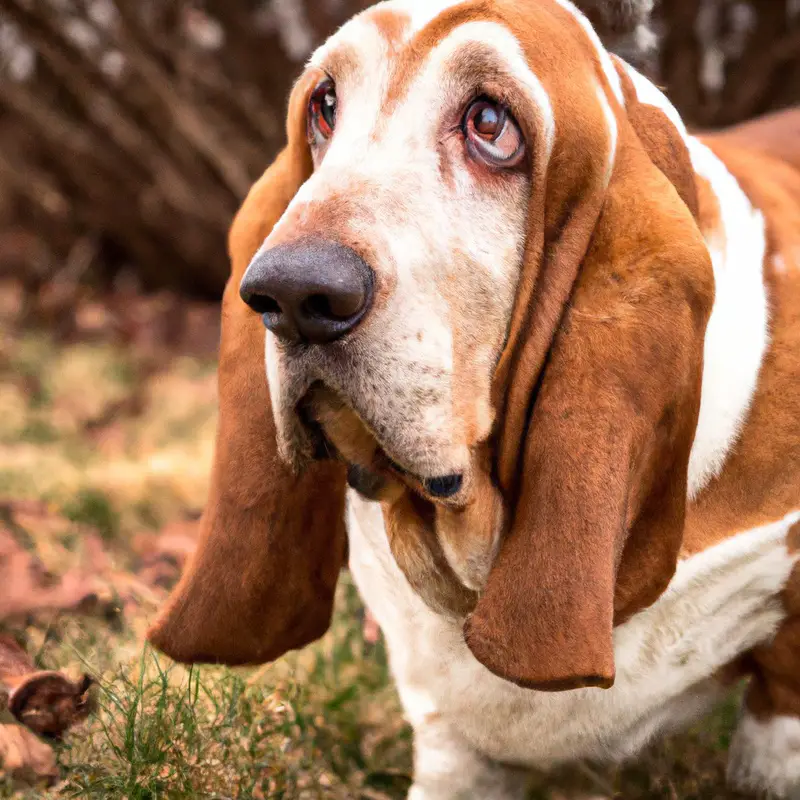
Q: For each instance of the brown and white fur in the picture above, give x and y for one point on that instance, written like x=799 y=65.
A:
x=606 y=345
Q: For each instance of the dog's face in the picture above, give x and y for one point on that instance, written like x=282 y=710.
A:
x=389 y=284
x=485 y=292
x=420 y=169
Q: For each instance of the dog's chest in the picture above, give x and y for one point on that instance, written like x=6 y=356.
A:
x=720 y=603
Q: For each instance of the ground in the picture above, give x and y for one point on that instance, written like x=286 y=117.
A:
x=106 y=432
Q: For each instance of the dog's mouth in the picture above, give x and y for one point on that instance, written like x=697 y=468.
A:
x=336 y=431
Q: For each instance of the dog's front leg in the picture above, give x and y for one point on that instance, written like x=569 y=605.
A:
x=446 y=767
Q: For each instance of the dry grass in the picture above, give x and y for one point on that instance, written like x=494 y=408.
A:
x=324 y=723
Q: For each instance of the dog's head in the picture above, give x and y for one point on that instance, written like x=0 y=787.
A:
x=485 y=298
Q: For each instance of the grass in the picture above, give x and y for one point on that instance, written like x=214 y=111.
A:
x=322 y=723
x=92 y=507
x=287 y=732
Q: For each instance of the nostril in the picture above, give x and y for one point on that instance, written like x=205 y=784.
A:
x=333 y=307
x=263 y=304
x=318 y=305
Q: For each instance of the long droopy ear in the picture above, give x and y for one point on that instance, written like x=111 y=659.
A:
x=601 y=391
x=272 y=543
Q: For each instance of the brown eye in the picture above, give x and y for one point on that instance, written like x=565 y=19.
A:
x=322 y=110
x=492 y=134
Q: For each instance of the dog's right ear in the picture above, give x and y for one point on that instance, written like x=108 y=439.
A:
x=272 y=543
x=601 y=378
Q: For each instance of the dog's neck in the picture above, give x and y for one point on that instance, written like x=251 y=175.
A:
x=744 y=470
x=737 y=332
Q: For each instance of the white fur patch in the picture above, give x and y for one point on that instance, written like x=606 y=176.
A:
x=720 y=604
x=613 y=132
x=447 y=767
x=765 y=756
x=738 y=330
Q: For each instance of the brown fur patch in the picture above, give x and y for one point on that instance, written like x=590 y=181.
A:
x=411 y=59
x=393 y=25
x=775 y=683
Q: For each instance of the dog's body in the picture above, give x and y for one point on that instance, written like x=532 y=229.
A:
x=671 y=661
x=657 y=484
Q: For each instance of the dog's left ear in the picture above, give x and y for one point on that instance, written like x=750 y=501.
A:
x=272 y=543
x=600 y=385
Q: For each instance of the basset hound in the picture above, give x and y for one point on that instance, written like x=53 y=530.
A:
x=552 y=342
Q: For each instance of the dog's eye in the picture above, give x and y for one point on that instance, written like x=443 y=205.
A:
x=492 y=134
x=322 y=110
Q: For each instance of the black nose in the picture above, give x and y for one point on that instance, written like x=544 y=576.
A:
x=314 y=290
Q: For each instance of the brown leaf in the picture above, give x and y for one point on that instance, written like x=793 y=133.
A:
x=46 y=702
x=49 y=704
x=28 y=587
x=43 y=703
x=25 y=757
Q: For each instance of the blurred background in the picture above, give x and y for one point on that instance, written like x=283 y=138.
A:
x=130 y=131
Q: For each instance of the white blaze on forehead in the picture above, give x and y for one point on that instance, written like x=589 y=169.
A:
x=422 y=12
x=605 y=59
x=361 y=31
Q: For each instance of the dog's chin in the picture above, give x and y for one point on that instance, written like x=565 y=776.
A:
x=329 y=428
x=442 y=530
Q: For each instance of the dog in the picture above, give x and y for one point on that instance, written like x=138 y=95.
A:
x=551 y=341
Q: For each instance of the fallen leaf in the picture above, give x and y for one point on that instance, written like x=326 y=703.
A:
x=25 y=757
x=46 y=702
x=28 y=587
x=29 y=545
x=39 y=703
